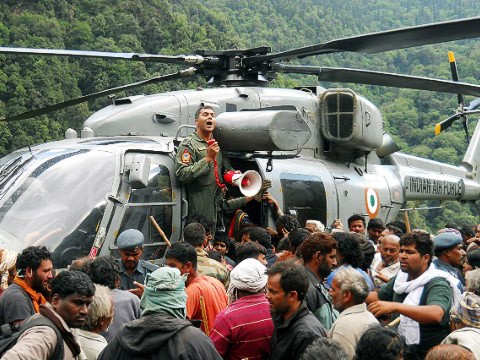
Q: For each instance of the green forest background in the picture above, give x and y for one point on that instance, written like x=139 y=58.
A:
x=177 y=27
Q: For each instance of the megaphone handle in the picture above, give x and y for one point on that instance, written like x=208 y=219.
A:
x=217 y=178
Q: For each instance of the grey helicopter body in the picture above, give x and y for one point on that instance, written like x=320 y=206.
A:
x=325 y=151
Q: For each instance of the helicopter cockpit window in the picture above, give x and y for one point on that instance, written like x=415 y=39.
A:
x=56 y=201
x=155 y=200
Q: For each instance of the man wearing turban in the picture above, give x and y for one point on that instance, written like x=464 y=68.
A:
x=162 y=332
x=245 y=327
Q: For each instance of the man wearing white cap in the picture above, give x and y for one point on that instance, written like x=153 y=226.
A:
x=133 y=269
x=245 y=327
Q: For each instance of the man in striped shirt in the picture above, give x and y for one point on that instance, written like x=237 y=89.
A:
x=245 y=327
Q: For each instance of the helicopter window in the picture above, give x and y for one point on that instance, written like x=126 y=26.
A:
x=154 y=200
x=137 y=217
x=345 y=103
x=159 y=188
x=230 y=107
x=50 y=162
x=57 y=202
x=306 y=195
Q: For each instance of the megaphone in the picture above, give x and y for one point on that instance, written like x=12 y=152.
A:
x=249 y=183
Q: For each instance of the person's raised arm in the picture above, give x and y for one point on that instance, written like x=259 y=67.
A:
x=424 y=314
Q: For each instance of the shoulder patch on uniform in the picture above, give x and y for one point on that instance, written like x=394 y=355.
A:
x=186 y=157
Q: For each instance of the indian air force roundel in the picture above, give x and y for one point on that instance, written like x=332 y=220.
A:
x=372 y=202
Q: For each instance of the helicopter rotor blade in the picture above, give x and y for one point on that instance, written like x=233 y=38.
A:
x=385 y=40
x=461 y=111
x=465 y=128
x=453 y=69
x=475 y=104
x=369 y=77
x=177 y=59
x=445 y=124
x=47 y=109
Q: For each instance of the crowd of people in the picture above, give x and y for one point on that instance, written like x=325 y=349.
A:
x=319 y=295
x=296 y=292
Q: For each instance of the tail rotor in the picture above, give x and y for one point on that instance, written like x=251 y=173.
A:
x=462 y=111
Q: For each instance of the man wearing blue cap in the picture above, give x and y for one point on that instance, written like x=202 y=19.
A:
x=133 y=269
x=450 y=254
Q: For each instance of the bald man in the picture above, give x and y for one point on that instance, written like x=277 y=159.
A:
x=387 y=264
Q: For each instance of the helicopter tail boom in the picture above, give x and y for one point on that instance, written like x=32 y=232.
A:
x=471 y=160
x=425 y=179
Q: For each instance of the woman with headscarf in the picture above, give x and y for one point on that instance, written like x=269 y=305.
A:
x=162 y=332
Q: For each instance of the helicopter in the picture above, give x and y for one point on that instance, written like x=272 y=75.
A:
x=324 y=149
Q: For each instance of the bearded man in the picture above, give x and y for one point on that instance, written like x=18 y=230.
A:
x=319 y=258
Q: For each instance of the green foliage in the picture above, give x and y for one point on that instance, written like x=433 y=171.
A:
x=79 y=36
x=434 y=219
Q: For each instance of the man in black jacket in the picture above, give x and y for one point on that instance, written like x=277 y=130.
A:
x=162 y=332
x=295 y=326
x=319 y=257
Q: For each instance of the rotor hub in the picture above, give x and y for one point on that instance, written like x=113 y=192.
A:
x=229 y=69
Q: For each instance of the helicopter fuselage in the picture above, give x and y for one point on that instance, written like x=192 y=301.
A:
x=323 y=149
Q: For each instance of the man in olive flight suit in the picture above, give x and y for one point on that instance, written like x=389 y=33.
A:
x=195 y=169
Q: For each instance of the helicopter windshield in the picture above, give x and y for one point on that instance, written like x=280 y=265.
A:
x=54 y=198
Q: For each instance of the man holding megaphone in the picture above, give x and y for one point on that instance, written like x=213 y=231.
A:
x=200 y=165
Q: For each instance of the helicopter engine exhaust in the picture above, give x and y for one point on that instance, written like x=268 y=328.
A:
x=261 y=130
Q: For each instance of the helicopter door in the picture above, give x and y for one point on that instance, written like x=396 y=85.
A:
x=302 y=187
x=158 y=199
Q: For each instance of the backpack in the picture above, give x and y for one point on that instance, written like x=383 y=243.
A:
x=8 y=338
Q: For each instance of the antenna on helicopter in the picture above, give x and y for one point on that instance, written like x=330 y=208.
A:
x=462 y=111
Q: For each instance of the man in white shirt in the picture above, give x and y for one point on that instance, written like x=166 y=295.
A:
x=349 y=291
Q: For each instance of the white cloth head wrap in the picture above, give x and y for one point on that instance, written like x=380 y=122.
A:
x=250 y=275
x=9 y=258
x=318 y=225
